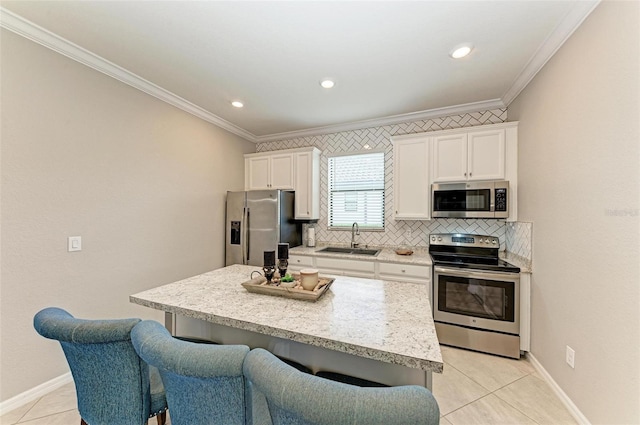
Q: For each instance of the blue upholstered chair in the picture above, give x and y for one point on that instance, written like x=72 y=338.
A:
x=296 y=398
x=113 y=385
x=204 y=382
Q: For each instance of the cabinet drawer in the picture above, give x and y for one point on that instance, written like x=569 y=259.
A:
x=409 y=270
x=346 y=265
x=298 y=262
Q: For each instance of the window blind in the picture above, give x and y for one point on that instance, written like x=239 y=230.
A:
x=356 y=190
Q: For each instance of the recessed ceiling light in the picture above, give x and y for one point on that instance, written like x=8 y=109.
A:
x=327 y=84
x=237 y=104
x=461 y=51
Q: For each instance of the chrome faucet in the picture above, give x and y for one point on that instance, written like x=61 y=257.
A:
x=355 y=230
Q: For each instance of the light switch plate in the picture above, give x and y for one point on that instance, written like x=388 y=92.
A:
x=75 y=243
x=571 y=357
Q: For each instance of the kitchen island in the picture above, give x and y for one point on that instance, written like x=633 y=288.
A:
x=382 y=323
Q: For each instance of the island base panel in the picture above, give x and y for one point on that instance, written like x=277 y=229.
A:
x=315 y=358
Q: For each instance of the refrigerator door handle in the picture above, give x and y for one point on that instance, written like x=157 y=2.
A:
x=243 y=235
x=248 y=233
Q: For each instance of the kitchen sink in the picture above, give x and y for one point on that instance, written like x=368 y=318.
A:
x=343 y=250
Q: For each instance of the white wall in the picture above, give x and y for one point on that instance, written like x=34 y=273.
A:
x=142 y=182
x=579 y=184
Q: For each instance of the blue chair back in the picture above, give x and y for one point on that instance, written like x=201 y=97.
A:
x=204 y=382
x=113 y=384
x=296 y=398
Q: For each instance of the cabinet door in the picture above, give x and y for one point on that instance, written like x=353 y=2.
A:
x=282 y=168
x=450 y=158
x=298 y=262
x=340 y=267
x=258 y=171
x=307 y=185
x=411 y=179
x=486 y=155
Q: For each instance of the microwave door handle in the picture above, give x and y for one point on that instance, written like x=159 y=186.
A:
x=476 y=275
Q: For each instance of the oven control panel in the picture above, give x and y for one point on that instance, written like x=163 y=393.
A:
x=463 y=239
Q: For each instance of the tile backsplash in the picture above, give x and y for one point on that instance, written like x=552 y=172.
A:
x=518 y=238
x=397 y=232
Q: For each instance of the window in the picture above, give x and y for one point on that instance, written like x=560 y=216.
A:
x=356 y=190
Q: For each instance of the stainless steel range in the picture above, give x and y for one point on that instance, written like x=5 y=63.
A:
x=476 y=295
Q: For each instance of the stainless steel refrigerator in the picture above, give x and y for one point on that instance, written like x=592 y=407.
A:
x=256 y=221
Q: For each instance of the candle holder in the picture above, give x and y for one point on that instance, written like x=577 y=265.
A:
x=283 y=264
x=269 y=271
x=269 y=267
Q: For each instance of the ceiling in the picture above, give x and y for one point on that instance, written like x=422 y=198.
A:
x=390 y=60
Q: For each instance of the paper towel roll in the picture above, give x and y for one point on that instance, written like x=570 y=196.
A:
x=311 y=237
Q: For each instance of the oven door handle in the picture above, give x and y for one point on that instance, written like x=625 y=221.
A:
x=472 y=274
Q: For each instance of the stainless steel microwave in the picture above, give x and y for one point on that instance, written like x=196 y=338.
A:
x=483 y=199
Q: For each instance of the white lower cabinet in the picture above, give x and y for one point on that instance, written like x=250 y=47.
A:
x=400 y=272
x=299 y=262
x=525 y=311
x=340 y=267
x=403 y=272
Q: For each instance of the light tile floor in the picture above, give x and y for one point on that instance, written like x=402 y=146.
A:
x=475 y=388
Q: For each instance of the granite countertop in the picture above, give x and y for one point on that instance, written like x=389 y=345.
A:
x=374 y=319
x=516 y=260
x=420 y=255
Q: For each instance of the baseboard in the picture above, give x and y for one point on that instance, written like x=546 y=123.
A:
x=34 y=393
x=564 y=398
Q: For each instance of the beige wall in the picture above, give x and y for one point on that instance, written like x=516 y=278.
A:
x=142 y=182
x=579 y=171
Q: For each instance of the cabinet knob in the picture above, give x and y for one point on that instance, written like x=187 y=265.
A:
x=402 y=270
x=465 y=174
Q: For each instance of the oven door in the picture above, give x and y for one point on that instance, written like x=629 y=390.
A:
x=477 y=298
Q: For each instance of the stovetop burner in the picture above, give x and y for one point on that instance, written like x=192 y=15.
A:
x=467 y=251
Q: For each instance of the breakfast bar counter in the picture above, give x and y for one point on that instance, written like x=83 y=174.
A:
x=390 y=322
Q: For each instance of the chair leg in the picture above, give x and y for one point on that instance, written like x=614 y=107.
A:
x=162 y=418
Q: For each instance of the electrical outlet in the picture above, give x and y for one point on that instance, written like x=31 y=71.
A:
x=407 y=235
x=571 y=357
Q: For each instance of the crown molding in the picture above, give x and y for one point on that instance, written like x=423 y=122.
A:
x=572 y=20
x=46 y=38
x=37 y=34
x=390 y=120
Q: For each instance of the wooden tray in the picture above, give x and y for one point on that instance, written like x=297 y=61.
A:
x=401 y=251
x=259 y=286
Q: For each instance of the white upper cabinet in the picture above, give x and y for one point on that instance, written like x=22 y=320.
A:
x=450 y=158
x=411 y=177
x=469 y=155
x=290 y=169
x=307 y=185
x=486 y=151
x=269 y=171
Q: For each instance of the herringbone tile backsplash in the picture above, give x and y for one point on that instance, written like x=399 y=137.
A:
x=397 y=232
x=518 y=238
